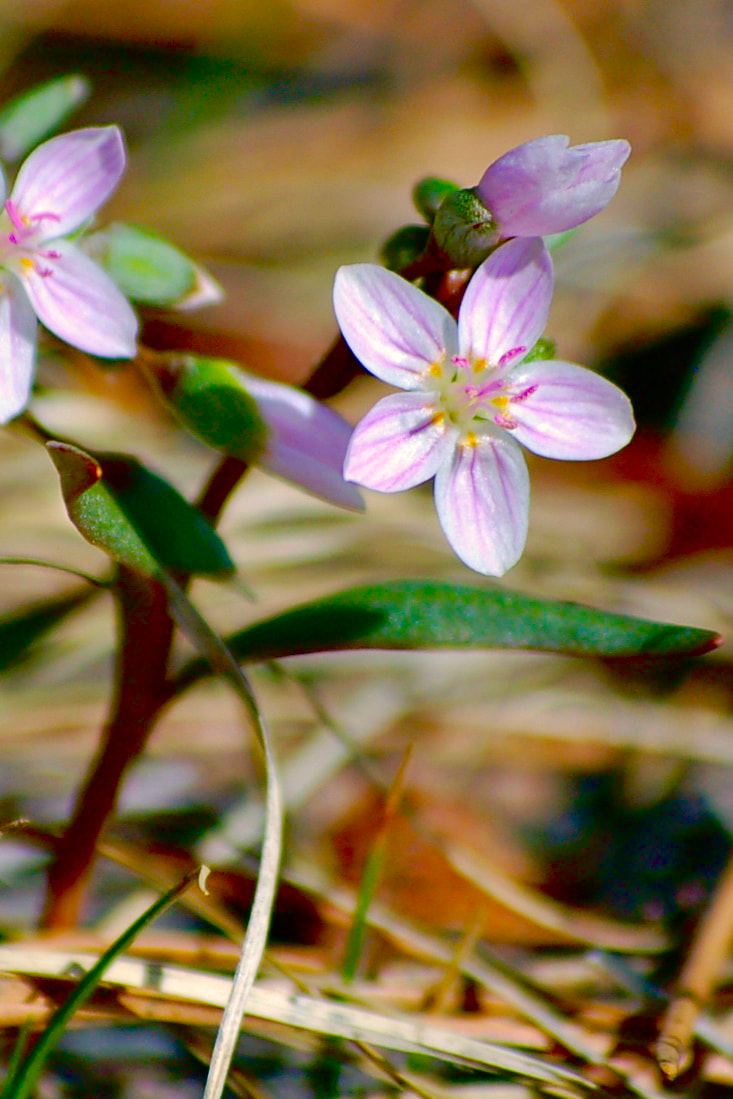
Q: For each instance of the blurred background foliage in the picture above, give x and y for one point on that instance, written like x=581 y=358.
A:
x=274 y=141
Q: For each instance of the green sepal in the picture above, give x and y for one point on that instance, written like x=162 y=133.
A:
x=428 y=193
x=33 y=115
x=555 y=241
x=145 y=267
x=543 y=349
x=210 y=398
x=405 y=246
x=135 y=516
x=464 y=229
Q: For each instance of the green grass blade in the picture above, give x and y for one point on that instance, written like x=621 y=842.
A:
x=21 y=1083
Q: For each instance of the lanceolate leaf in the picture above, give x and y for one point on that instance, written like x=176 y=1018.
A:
x=412 y=614
x=135 y=516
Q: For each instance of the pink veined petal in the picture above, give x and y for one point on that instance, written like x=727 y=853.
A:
x=394 y=329
x=307 y=443
x=482 y=500
x=572 y=413
x=17 y=348
x=79 y=303
x=400 y=443
x=65 y=180
x=545 y=187
x=507 y=301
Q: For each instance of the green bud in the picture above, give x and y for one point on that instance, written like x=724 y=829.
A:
x=543 y=349
x=428 y=194
x=405 y=246
x=464 y=230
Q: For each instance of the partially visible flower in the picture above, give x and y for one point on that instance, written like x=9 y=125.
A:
x=306 y=442
x=471 y=397
x=43 y=274
x=538 y=189
x=548 y=186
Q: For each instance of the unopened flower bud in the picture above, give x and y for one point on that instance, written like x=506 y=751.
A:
x=543 y=349
x=428 y=194
x=405 y=246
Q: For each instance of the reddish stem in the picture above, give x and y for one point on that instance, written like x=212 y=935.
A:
x=221 y=484
x=146 y=632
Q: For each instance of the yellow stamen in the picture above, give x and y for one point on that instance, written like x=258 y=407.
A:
x=502 y=403
x=27 y=263
x=438 y=418
x=479 y=365
x=470 y=439
x=436 y=370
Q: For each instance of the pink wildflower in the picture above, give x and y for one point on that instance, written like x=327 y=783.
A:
x=471 y=397
x=43 y=274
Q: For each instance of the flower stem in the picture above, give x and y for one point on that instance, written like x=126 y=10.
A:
x=226 y=476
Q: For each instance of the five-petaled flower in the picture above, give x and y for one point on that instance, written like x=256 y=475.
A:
x=548 y=186
x=43 y=274
x=471 y=397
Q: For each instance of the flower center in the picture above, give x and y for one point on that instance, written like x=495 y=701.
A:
x=473 y=392
x=18 y=252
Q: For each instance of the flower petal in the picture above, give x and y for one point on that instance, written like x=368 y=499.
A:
x=400 y=443
x=507 y=301
x=566 y=411
x=17 y=348
x=545 y=187
x=394 y=329
x=482 y=499
x=79 y=303
x=65 y=180
x=307 y=443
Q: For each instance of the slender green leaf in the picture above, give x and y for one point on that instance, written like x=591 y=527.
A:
x=35 y=114
x=135 y=516
x=22 y=629
x=412 y=614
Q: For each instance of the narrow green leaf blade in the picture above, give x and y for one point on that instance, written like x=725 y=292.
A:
x=35 y=114
x=411 y=614
x=24 y=628
x=135 y=516
x=22 y=1083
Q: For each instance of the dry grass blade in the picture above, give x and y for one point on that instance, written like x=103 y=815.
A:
x=253 y=947
x=320 y=1016
x=513 y=991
